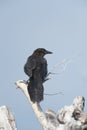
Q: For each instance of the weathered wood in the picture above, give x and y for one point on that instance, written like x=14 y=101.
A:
x=70 y=117
x=7 y=120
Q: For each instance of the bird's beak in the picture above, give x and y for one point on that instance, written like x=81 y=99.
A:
x=49 y=52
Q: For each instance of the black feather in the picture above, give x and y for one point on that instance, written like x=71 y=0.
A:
x=36 y=69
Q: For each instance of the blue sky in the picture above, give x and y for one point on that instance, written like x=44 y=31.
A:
x=59 y=26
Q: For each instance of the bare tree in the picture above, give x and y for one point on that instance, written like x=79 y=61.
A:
x=70 y=117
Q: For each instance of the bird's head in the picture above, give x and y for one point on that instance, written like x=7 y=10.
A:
x=41 y=52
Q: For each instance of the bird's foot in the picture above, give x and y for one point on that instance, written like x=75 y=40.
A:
x=27 y=81
x=46 y=79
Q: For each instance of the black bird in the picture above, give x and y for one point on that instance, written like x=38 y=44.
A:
x=36 y=69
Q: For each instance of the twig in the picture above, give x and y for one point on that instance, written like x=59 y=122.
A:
x=53 y=94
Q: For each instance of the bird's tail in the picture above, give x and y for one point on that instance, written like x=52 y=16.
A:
x=35 y=91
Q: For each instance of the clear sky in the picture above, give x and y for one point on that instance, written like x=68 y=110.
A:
x=57 y=25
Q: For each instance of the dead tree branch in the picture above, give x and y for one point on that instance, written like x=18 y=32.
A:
x=7 y=120
x=70 y=117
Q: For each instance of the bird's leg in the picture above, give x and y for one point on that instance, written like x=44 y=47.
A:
x=27 y=81
x=47 y=78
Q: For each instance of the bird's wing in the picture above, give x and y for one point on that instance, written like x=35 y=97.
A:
x=30 y=66
x=44 y=72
